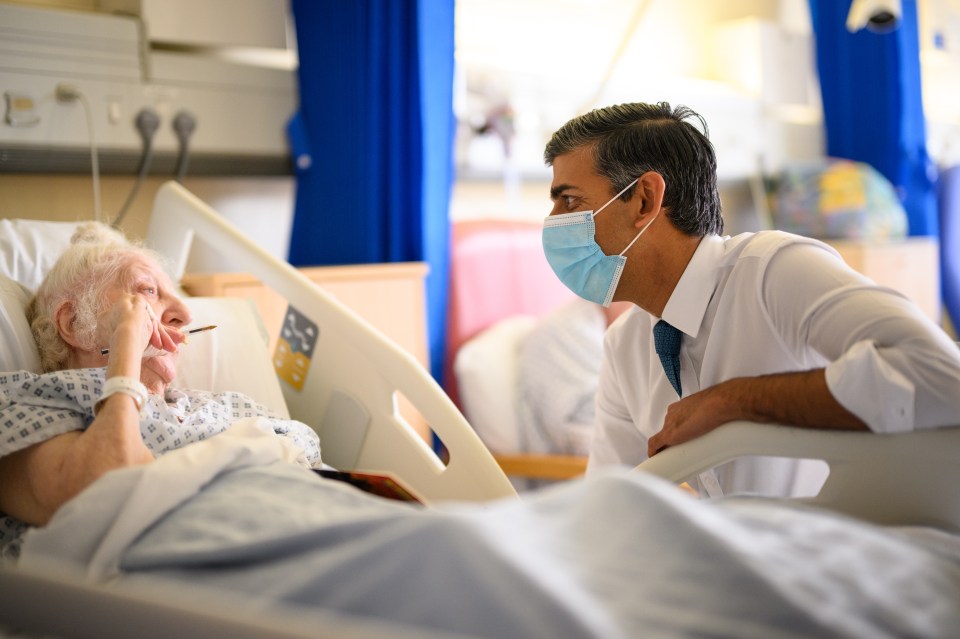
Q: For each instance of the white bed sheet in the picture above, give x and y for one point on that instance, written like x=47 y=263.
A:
x=620 y=555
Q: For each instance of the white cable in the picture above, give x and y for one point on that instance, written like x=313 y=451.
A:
x=66 y=93
x=94 y=157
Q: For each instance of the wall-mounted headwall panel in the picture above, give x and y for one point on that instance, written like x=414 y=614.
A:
x=250 y=23
x=240 y=111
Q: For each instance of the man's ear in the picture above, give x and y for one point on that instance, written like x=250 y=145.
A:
x=649 y=194
x=64 y=317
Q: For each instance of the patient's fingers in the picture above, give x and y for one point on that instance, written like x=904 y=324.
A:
x=156 y=338
x=132 y=315
x=170 y=337
x=126 y=324
x=164 y=338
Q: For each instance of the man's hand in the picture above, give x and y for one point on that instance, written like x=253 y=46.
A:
x=696 y=415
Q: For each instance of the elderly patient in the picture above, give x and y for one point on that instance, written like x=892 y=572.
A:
x=101 y=412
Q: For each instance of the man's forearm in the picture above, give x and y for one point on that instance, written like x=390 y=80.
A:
x=798 y=399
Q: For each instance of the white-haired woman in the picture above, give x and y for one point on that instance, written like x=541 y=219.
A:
x=89 y=413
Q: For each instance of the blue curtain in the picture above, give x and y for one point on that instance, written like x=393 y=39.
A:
x=373 y=139
x=949 y=203
x=872 y=106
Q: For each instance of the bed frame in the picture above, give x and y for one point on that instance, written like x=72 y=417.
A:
x=892 y=479
x=49 y=602
x=351 y=390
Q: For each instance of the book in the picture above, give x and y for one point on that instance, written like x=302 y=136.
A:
x=379 y=484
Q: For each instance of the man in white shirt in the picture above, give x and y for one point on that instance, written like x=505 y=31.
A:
x=772 y=327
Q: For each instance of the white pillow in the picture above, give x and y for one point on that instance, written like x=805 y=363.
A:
x=234 y=356
x=18 y=351
x=28 y=248
x=486 y=369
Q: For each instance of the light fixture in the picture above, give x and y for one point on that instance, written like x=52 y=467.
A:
x=879 y=16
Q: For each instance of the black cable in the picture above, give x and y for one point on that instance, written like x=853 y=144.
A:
x=184 y=125
x=147 y=123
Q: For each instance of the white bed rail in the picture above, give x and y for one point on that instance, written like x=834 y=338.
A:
x=349 y=393
x=892 y=479
x=56 y=601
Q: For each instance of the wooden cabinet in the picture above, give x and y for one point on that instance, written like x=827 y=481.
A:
x=910 y=266
x=389 y=296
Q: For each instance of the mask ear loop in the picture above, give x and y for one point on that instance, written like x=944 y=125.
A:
x=611 y=201
x=642 y=231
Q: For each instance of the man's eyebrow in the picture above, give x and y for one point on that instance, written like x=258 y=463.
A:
x=558 y=189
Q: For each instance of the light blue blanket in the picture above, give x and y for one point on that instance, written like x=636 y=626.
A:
x=621 y=555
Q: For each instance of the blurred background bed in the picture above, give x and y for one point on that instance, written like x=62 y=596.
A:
x=500 y=286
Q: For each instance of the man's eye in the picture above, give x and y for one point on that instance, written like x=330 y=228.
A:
x=148 y=290
x=569 y=201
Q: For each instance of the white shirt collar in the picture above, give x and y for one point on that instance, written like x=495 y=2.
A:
x=688 y=303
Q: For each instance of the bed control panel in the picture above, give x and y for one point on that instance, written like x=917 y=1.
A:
x=298 y=337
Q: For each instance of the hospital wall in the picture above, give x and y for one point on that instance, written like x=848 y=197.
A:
x=745 y=64
x=229 y=66
x=739 y=125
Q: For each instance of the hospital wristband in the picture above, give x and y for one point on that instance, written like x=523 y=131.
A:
x=130 y=386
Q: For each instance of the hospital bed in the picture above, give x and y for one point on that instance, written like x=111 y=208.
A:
x=350 y=397
x=352 y=382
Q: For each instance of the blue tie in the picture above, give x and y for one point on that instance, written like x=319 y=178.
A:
x=666 y=339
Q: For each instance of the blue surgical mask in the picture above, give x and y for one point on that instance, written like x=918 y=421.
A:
x=577 y=259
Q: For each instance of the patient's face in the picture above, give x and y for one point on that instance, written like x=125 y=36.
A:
x=145 y=278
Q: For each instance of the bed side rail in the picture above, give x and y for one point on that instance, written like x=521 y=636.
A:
x=350 y=389
x=891 y=479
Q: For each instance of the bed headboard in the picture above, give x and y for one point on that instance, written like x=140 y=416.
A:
x=497 y=270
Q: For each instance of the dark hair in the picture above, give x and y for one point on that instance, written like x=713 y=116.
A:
x=630 y=139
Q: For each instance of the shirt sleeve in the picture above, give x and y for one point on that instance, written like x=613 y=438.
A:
x=887 y=363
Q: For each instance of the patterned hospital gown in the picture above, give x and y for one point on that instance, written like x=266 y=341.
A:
x=34 y=408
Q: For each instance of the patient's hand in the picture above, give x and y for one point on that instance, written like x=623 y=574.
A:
x=133 y=322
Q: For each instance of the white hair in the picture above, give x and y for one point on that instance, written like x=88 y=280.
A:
x=97 y=258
